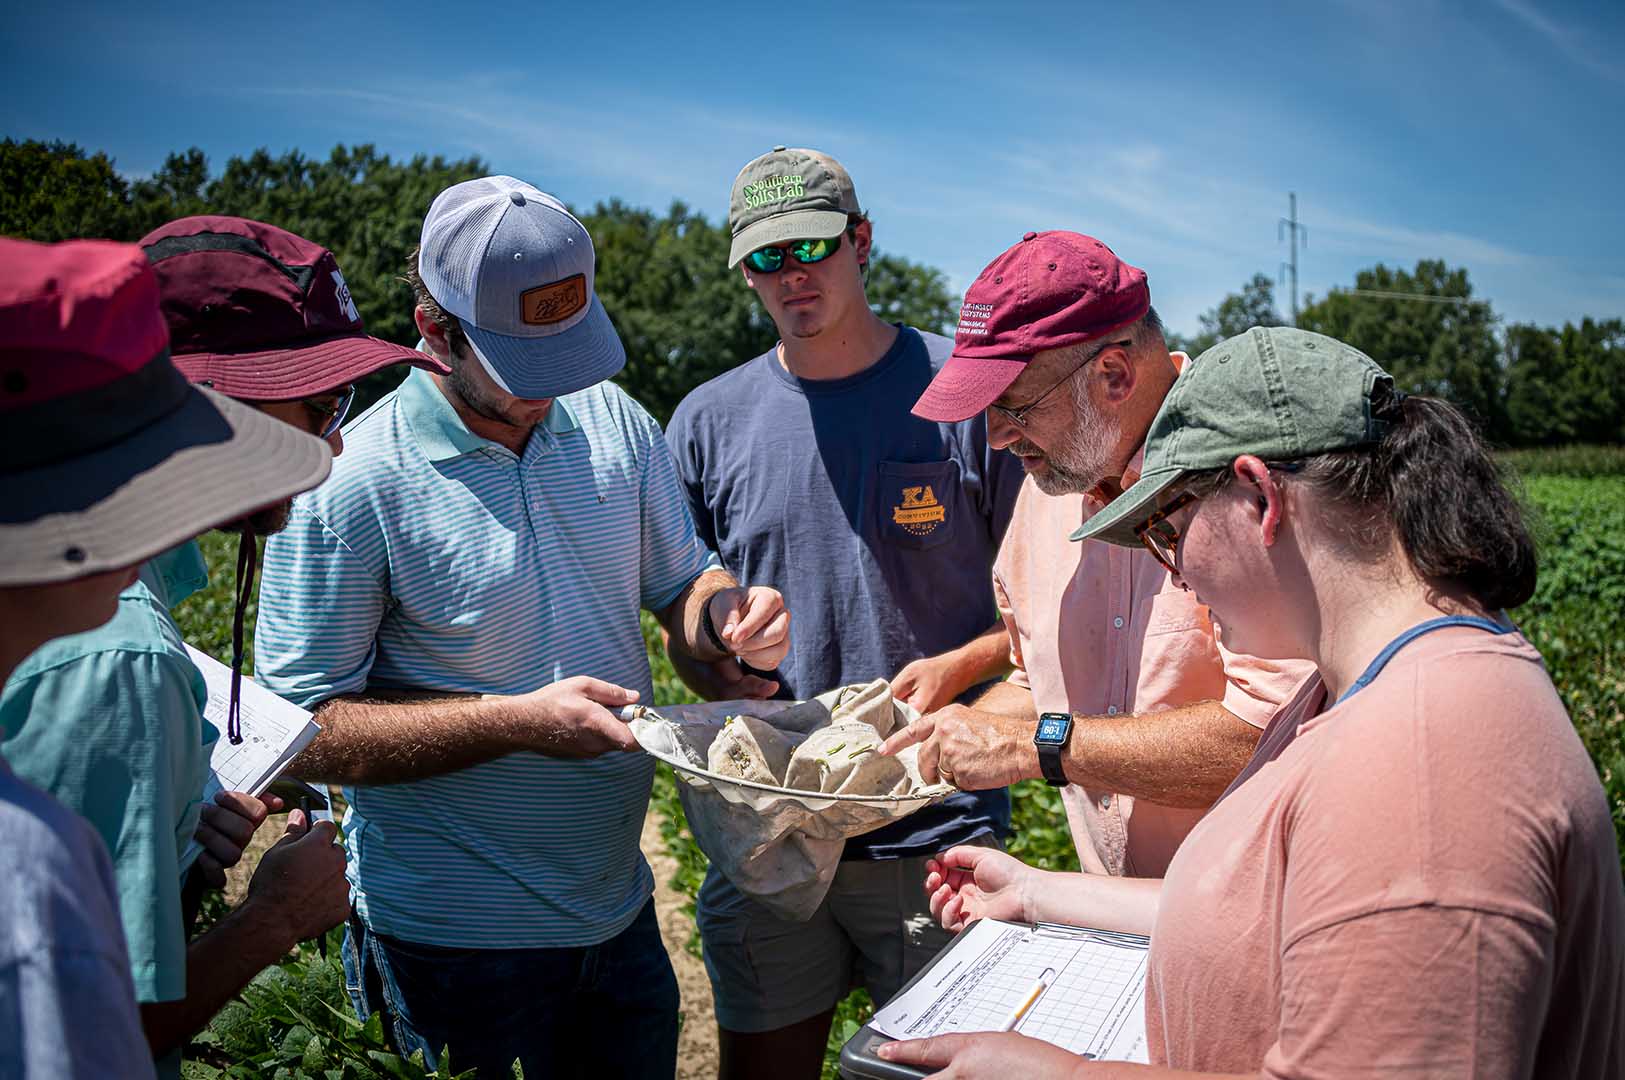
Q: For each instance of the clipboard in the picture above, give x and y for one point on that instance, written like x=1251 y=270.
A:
x=858 y=1060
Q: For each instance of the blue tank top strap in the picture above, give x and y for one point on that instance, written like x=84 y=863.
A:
x=1501 y=626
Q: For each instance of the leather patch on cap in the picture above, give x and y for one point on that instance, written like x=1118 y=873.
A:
x=548 y=304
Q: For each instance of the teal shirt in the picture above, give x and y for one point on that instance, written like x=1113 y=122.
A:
x=111 y=723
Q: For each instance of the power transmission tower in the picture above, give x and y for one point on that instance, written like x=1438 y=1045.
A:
x=1291 y=227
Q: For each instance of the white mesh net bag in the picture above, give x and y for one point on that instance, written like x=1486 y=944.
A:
x=772 y=789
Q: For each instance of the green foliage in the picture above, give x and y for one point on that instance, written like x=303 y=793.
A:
x=1445 y=349
x=1568 y=461
x=294 y=1022
x=364 y=206
x=1577 y=615
x=851 y=1014
x=1039 y=835
x=911 y=293
x=683 y=316
x=1566 y=385
x=663 y=801
x=55 y=191
x=1532 y=386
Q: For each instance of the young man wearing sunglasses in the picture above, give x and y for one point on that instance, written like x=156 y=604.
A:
x=804 y=469
x=1122 y=692
x=111 y=721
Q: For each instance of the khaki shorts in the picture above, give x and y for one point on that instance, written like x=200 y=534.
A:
x=874 y=930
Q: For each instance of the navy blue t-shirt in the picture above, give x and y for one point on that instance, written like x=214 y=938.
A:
x=879 y=528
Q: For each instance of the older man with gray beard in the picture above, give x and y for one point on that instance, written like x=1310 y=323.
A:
x=1121 y=691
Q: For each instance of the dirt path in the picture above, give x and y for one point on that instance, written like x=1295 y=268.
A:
x=697 y=1044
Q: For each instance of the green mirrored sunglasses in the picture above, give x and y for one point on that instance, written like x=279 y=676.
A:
x=769 y=260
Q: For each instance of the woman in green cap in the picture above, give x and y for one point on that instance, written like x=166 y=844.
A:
x=1416 y=874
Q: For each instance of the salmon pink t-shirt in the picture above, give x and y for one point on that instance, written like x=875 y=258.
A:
x=1424 y=882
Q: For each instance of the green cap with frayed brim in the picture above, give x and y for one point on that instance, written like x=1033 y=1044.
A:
x=788 y=195
x=1278 y=393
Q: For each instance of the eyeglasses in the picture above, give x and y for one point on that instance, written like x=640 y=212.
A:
x=770 y=260
x=1160 y=536
x=335 y=413
x=1018 y=416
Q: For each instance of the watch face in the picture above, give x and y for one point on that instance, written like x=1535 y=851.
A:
x=1052 y=729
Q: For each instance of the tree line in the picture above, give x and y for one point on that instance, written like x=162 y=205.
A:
x=685 y=317
x=1526 y=385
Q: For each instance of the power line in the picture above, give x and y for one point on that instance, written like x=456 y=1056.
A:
x=1427 y=298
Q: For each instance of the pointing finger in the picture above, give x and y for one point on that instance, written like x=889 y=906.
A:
x=915 y=732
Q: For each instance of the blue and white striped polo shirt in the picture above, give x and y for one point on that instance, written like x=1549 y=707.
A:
x=435 y=559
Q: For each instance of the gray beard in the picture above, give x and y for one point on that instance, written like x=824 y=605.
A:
x=1079 y=464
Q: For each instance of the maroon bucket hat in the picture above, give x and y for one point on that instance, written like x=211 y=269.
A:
x=1051 y=290
x=108 y=455
x=259 y=313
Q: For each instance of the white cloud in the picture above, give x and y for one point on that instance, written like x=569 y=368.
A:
x=1566 y=39
x=1401 y=243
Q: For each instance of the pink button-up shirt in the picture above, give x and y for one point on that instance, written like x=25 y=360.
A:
x=1099 y=630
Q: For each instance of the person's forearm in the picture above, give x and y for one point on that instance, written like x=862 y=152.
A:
x=1183 y=757
x=1128 y=905
x=1010 y=700
x=405 y=736
x=985 y=656
x=684 y=618
x=218 y=965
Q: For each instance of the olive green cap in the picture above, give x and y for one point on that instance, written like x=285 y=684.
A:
x=1279 y=393
x=788 y=195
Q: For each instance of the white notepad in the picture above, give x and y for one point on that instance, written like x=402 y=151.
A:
x=1094 y=1005
x=274 y=731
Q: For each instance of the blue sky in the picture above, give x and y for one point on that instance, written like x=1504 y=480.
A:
x=1488 y=134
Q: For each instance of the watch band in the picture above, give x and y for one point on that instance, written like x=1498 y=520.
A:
x=1049 y=760
x=711 y=629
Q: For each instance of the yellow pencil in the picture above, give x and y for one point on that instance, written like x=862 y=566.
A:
x=1040 y=984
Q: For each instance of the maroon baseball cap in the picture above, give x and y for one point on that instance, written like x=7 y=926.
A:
x=1051 y=290
x=108 y=455
x=261 y=314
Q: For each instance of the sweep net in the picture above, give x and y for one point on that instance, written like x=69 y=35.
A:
x=772 y=794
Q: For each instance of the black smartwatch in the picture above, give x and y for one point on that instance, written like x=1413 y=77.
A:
x=1054 y=729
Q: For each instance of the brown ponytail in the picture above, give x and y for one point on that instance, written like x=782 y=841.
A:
x=1432 y=483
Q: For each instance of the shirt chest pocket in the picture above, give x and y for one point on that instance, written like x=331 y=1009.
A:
x=1175 y=611
x=918 y=504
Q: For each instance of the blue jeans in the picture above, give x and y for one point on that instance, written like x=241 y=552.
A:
x=594 y=1011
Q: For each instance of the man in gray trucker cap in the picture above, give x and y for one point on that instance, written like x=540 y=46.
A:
x=462 y=608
